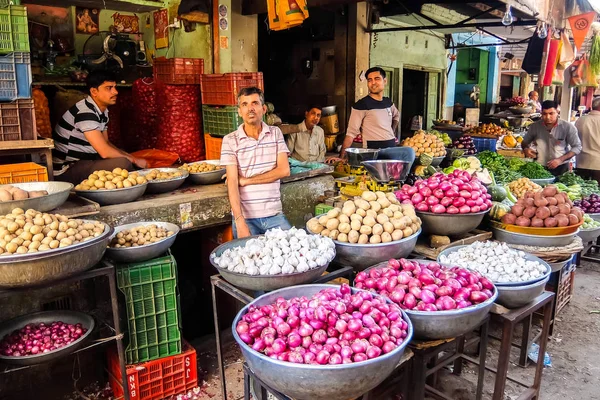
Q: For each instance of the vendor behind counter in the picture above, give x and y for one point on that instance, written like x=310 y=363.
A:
x=308 y=144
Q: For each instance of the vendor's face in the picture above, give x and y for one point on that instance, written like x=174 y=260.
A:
x=312 y=117
x=376 y=82
x=251 y=109
x=105 y=94
x=550 y=116
x=534 y=96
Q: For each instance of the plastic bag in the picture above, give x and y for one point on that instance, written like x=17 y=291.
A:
x=567 y=55
x=553 y=54
x=157 y=158
x=285 y=14
x=581 y=74
x=144 y=135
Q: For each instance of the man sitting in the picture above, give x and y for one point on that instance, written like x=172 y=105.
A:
x=308 y=144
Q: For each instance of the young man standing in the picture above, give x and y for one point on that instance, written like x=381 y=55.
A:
x=256 y=158
x=81 y=144
x=309 y=143
x=556 y=140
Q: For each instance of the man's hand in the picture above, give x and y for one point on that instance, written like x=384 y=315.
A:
x=530 y=153
x=140 y=162
x=332 y=160
x=242 y=229
x=552 y=164
x=242 y=181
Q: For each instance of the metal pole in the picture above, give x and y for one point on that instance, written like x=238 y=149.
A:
x=115 y=310
x=218 y=340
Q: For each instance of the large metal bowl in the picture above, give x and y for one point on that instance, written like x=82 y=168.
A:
x=437 y=161
x=518 y=296
x=588 y=235
x=316 y=382
x=446 y=324
x=58 y=193
x=361 y=256
x=357 y=155
x=207 y=178
x=450 y=224
x=145 y=252
x=114 y=196
x=47 y=317
x=388 y=170
x=528 y=257
x=521 y=110
x=262 y=282
x=166 y=185
x=594 y=216
x=23 y=270
x=543 y=182
x=503 y=235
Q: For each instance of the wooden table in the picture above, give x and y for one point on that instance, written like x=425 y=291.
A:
x=42 y=147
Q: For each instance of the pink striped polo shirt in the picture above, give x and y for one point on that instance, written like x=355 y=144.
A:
x=255 y=157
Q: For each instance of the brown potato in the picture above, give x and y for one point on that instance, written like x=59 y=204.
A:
x=564 y=209
x=517 y=210
x=37 y=193
x=559 y=198
x=573 y=220
x=577 y=211
x=5 y=195
x=549 y=191
x=562 y=220
x=529 y=212
x=523 y=221
x=552 y=201
x=510 y=219
x=553 y=209
x=543 y=213
x=537 y=222
x=20 y=195
x=541 y=202
x=550 y=222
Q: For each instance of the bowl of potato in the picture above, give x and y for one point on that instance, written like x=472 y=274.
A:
x=205 y=172
x=38 y=247
x=369 y=229
x=112 y=187
x=41 y=196
x=162 y=180
x=141 y=241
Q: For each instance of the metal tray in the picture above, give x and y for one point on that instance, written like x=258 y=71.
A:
x=165 y=185
x=114 y=196
x=450 y=224
x=588 y=235
x=533 y=240
x=67 y=316
x=145 y=252
x=543 y=182
x=207 y=178
x=518 y=296
x=58 y=193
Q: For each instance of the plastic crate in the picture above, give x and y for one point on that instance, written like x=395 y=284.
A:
x=322 y=208
x=151 y=308
x=222 y=89
x=17 y=120
x=24 y=172
x=221 y=121
x=178 y=71
x=566 y=285
x=482 y=144
x=6 y=3
x=213 y=146
x=158 y=379
x=15 y=76
x=14 y=32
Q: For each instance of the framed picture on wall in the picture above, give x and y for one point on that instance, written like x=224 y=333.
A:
x=161 y=33
x=87 y=20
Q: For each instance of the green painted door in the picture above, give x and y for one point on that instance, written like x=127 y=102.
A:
x=433 y=90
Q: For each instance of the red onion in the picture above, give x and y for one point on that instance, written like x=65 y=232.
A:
x=34 y=339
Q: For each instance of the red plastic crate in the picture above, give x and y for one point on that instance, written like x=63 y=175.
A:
x=157 y=379
x=179 y=71
x=222 y=89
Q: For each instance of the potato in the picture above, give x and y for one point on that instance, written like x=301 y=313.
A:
x=332 y=224
x=353 y=236
x=407 y=232
x=398 y=223
x=388 y=227
x=368 y=196
x=549 y=222
x=334 y=213
x=344 y=219
x=355 y=225
x=323 y=220
x=573 y=220
x=334 y=234
x=20 y=195
x=375 y=206
x=553 y=209
x=529 y=202
x=342 y=237
x=564 y=209
x=387 y=212
x=386 y=237
x=542 y=212
x=552 y=201
x=398 y=214
x=363 y=239
x=361 y=212
x=313 y=225
x=559 y=199
x=37 y=193
x=348 y=211
x=5 y=195
x=356 y=217
x=375 y=239
x=325 y=232
x=523 y=221
x=549 y=191
x=366 y=230
x=369 y=221
x=377 y=229
x=344 y=228
x=382 y=218
x=384 y=203
x=415 y=227
x=397 y=235
x=562 y=220
x=109 y=186
x=371 y=213
x=392 y=198
x=577 y=211
x=349 y=203
x=363 y=204
x=406 y=208
x=529 y=212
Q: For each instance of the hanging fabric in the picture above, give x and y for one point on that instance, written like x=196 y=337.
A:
x=581 y=73
x=553 y=54
x=580 y=26
x=533 y=56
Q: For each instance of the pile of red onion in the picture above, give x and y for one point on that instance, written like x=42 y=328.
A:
x=35 y=339
x=455 y=193
x=332 y=327
x=426 y=287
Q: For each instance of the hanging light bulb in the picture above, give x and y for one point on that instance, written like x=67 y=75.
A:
x=543 y=32
x=508 y=17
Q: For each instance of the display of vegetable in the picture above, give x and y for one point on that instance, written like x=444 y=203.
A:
x=577 y=187
x=497 y=261
x=109 y=180
x=522 y=186
x=518 y=101
x=589 y=223
x=515 y=163
x=278 y=252
x=145 y=134
x=42 y=113
x=156 y=175
x=332 y=327
x=10 y=193
x=487 y=130
x=40 y=338
x=443 y=136
x=455 y=193
x=510 y=141
x=465 y=142
x=534 y=170
x=424 y=143
x=426 y=287
x=498 y=192
x=548 y=208
x=595 y=51
x=590 y=204
x=140 y=236
x=199 y=167
x=498 y=166
x=499 y=210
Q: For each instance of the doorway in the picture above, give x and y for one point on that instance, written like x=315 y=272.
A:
x=414 y=101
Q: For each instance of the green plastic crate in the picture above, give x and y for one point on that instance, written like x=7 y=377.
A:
x=152 y=309
x=6 y=3
x=322 y=208
x=220 y=121
x=14 y=33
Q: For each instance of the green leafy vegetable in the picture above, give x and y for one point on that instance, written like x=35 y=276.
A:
x=533 y=170
x=595 y=55
x=515 y=163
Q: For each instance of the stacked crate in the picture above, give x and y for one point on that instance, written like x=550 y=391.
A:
x=219 y=106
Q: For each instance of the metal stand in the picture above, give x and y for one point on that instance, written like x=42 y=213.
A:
x=105 y=269
x=217 y=282
x=426 y=362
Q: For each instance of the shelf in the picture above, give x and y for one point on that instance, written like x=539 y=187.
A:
x=135 y=6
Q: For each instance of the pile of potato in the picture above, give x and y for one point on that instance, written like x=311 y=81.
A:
x=374 y=217
x=31 y=231
x=200 y=167
x=424 y=143
x=139 y=236
x=107 y=180
x=487 y=130
x=156 y=175
x=10 y=193
x=522 y=186
x=547 y=208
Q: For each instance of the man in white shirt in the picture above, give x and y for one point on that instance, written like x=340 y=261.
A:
x=588 y=127
x=308 y=144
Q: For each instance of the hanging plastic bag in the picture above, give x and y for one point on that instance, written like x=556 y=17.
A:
x=553 y=54
x=533 y=56
x=581 y=74
x=157 y=158
x=567 y=55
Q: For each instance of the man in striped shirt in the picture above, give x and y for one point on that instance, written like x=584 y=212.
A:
x=255 y=157
x=81 y=144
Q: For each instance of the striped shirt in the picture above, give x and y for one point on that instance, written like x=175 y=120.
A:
x=70 y=143
x=254 y=157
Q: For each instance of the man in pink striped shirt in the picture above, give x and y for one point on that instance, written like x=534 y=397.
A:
x=256 y=158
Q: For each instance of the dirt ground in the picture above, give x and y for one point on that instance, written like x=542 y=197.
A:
x=574 y=350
